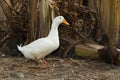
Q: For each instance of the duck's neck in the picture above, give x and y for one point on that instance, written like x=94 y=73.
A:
x=53 y=35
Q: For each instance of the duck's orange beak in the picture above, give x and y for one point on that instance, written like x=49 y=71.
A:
x=65 y=22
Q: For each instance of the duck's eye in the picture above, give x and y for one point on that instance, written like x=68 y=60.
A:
x=60 y=18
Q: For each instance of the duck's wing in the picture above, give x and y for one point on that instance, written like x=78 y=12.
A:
x=36 y=43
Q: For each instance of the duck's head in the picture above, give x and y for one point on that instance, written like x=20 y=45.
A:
x=60 y=19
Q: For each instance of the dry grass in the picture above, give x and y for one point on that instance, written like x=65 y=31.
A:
x=15 y=68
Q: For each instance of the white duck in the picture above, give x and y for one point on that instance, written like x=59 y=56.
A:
x=41 y=47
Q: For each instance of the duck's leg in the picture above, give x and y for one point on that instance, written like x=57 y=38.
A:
x=36 y=60
x=45 y=63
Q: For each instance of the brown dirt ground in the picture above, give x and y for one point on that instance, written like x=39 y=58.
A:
x=16 y=68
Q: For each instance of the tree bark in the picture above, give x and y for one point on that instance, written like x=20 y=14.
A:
x=6 y=9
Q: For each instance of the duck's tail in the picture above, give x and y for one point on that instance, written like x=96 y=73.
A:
x=20 y=48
